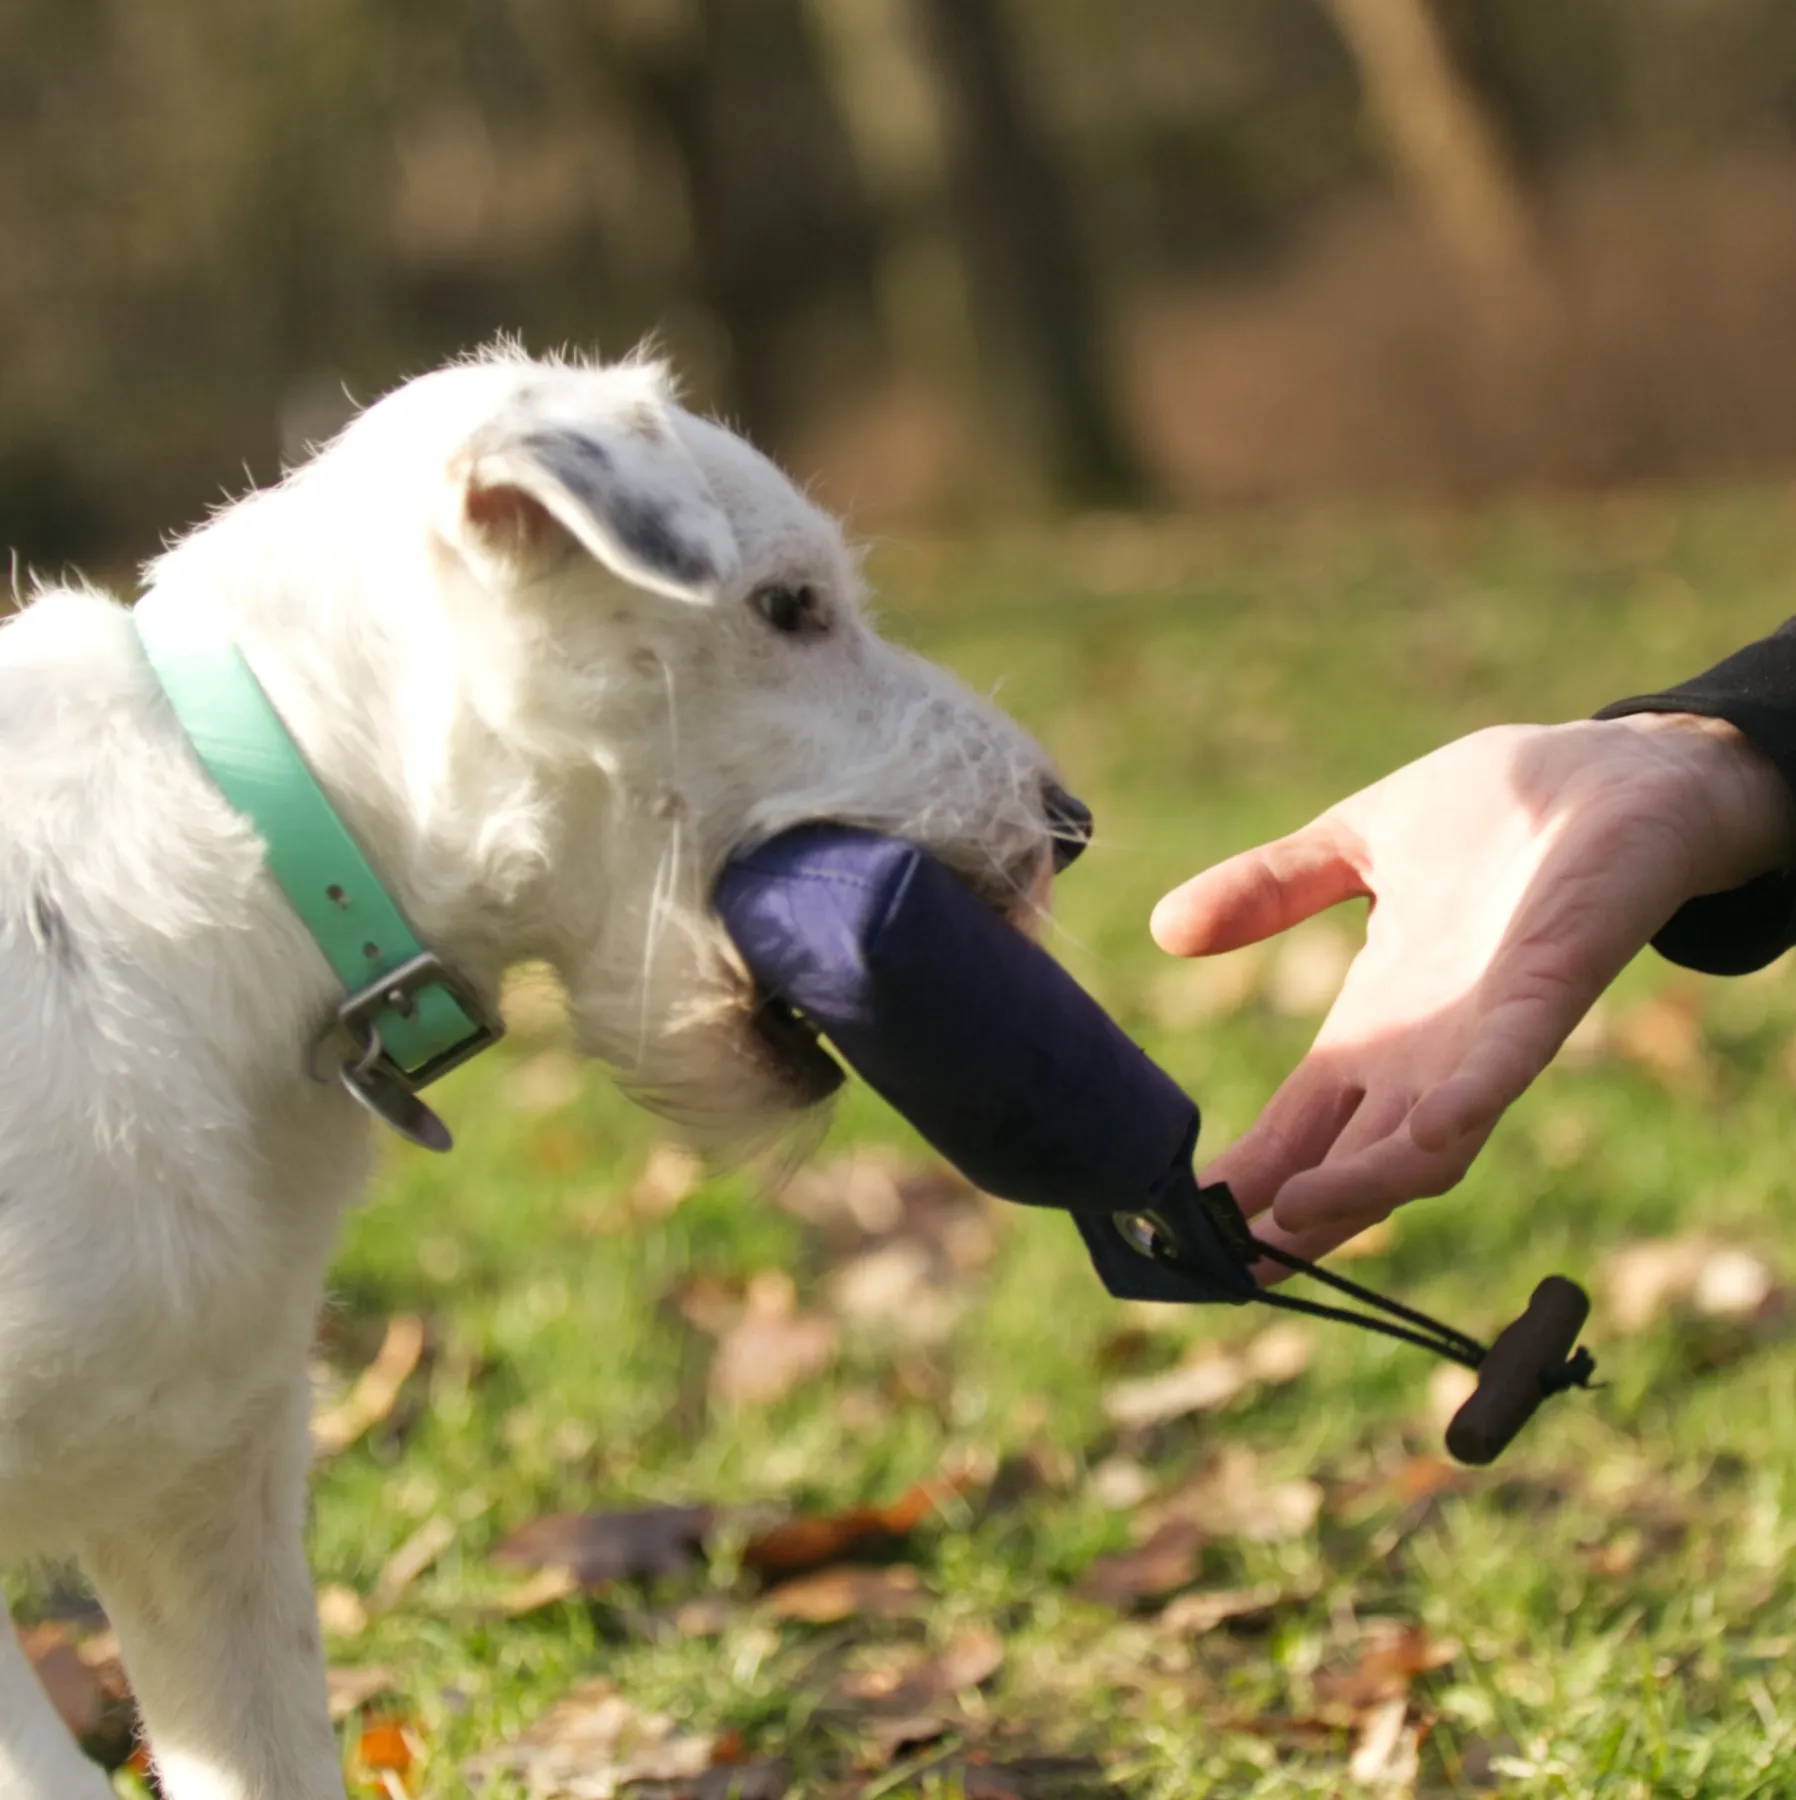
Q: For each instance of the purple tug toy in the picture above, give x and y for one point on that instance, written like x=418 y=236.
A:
x=1022 y=1081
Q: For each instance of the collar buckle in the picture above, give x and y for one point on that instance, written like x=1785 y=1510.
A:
x=398 y=1050
x=400 y=992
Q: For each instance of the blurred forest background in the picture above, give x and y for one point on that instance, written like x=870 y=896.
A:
x=945 y=256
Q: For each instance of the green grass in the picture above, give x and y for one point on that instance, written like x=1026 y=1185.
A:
x=1203 y=685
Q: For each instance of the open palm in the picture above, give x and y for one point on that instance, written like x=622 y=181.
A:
x=1512 y=874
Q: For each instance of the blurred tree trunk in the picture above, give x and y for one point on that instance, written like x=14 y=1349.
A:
x=784 y=247
x=1038 y=306
x=1449 y=155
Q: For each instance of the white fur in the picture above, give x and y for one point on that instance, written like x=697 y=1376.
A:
x=508 y=618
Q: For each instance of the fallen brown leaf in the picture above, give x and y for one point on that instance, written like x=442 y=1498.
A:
x=1229 y=1498
x=1126 y=1349
x=1165 y=1562
x=1617 y=1557
x=377 y=1389
x=1210 y=1379
x=969 y=1659
x=708 y=1615
x=547 y=1587
x=601 y=1547
x=1279 y=1354
x=763 y=1780
x=1735 y=1284
x=708 y=1303
x=1663 y=1035
x=1391 y=1656
x=1450 y=1386
x=1650 y=1519
x=870 y=1190
x=1205 y=1385
x=340 y=1611
x=902 y=1703
x=901 y=1288
x=872 y=1196
x=860 y=1195
x=593 y=1743
x=893 y=1737
x=921 y=1681
x=73 y=1688
x=410 y=1561
x=1120 y=1483
x=1186 y=994
x=1387 y=1748
x=848 y=1591
x=1643 y=1281
x=811 y=1541
x=1025 y=1474
x=86 y=1684
x=1425 y=1477
x=547 y=1082
x=772 y=1347
x=350 y=1690
x=384 y=1753
x=668 y=1179
x=974 y=1777
x=1193 y=1614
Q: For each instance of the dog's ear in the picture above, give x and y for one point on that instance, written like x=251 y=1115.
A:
x=621 y=486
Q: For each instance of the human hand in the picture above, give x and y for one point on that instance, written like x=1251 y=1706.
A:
x=1513 y=874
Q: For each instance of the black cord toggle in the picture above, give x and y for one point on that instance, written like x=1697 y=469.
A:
x=1531 y=1359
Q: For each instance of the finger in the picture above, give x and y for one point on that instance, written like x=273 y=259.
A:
x=1491 y=1077
x=1310 y=1245
x=1376 y=1117
x=1470 y=1102
x=1297 y=1129
x=1378 y=1178
x=1259 y=893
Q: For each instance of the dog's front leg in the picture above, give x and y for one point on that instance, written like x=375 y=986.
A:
x=218 y=1626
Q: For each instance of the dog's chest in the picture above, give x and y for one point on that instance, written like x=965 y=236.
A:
x=170 y=1182
x=144 y=1328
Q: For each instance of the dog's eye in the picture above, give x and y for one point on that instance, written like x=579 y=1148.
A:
x=794 y=610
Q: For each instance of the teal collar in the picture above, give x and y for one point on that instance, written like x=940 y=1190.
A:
x=409 y=1018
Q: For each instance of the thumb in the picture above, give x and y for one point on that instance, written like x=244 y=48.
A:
x=1261 y=892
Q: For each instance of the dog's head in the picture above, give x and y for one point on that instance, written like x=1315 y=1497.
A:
x=660 y=654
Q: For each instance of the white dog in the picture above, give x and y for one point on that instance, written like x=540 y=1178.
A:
x=554 y=648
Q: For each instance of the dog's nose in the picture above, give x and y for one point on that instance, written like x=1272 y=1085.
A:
x=1069 y=819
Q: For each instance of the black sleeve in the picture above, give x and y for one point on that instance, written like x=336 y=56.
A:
x=1755 y=691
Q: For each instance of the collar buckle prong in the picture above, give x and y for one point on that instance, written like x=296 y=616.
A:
x=375 y=1076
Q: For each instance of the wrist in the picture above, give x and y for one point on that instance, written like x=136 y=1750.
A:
x=1739 y=808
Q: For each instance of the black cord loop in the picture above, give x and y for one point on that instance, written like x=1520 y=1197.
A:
x=1424 y=1330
